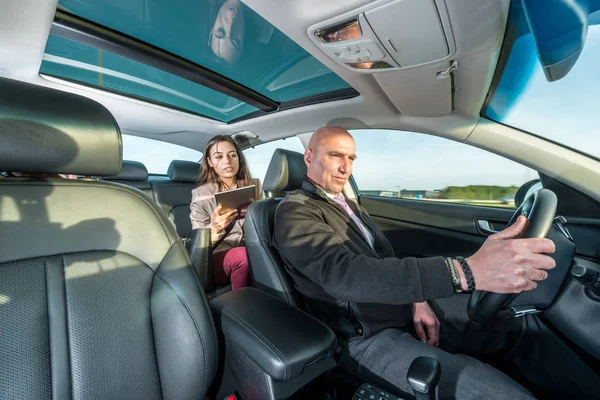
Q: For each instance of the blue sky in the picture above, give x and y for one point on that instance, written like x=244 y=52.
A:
x=565 y=111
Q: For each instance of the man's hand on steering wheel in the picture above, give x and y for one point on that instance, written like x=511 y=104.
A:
x=505 y=264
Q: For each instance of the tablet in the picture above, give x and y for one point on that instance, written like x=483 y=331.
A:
x=236 y=199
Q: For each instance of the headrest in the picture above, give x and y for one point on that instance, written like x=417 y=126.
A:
x=183 y=171
x=44 y=130
x=286 y=171
x=131 y=171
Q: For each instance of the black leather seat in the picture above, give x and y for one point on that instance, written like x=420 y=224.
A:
x=285 y=173
x=175 y=194
x=134 y=174
x=97 y=296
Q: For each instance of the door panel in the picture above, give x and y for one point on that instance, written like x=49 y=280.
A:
x=578 y=317
x=582 y=214
x=427 y=228
x=409 y=239
x=586 y=233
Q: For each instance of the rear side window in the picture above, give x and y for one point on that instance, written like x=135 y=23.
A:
x=156 y=155
x=259 y=157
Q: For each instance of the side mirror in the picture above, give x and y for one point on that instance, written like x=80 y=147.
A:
x=525 y=191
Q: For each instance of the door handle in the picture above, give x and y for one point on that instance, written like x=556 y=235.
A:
x=485 y=227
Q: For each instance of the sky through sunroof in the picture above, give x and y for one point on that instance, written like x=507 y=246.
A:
x=224 y=36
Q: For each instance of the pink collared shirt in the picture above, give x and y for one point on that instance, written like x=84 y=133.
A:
x=341 y=200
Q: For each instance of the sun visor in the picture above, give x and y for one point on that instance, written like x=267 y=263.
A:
x=410 y=30
x=420 y=92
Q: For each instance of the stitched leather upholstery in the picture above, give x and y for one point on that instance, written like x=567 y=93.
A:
x=97 y=295
x=184 y=171
x=40 y=133
x=281 y=345
x=131 y=171
x=175 y=195
x=135 y=174
x=285 y=173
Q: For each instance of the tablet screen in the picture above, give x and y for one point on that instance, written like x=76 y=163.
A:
x=236 y=199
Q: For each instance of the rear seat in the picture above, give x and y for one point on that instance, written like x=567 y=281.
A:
x=175 y=194
x=133 y=173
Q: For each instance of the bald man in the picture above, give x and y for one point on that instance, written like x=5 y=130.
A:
x=347 y=275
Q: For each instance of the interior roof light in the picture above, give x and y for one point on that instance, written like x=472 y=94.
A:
x=344 y=31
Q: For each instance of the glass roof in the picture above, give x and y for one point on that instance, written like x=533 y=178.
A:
x=85 y=64
x=224 y=36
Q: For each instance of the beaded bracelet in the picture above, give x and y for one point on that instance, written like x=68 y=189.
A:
x=468 y=274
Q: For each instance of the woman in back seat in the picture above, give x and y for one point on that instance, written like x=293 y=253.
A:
x=223 y=168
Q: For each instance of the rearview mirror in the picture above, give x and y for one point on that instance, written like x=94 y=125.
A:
x=559 y=29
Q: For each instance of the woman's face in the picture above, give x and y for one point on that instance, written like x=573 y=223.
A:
x=227 y=34
x=224 y=159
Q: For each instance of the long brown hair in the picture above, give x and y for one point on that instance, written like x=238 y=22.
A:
x=209 y=175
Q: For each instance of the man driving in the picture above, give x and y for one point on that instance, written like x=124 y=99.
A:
x=384 y=309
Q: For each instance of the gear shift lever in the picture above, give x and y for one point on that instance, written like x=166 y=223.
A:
x=423 y=377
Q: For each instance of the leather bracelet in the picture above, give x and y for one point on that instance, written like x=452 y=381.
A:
x=452 y=271
x=468 y=274
x=454 y=274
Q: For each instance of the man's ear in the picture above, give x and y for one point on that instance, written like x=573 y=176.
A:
x=307 y=156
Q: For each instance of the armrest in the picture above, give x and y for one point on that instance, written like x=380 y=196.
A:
x=279 y=338
x=200 y=249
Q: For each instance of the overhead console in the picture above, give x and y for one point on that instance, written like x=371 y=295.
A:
x=387 y=35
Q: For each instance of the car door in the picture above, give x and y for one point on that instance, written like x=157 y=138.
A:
x=432 y=196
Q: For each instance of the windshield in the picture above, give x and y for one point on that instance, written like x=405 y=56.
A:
x=564 y=111
x=224 y=36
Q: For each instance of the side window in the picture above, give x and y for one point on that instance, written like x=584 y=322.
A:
x=429 y=168
x=259 y=157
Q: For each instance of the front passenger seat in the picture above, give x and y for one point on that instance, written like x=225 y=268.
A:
x=285 y=173
x=97 y=296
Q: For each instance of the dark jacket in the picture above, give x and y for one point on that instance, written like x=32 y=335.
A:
x=355 y=289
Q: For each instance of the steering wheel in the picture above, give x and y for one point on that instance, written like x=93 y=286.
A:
x=540 y=209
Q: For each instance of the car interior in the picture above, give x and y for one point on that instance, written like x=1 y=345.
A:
x=106 y=291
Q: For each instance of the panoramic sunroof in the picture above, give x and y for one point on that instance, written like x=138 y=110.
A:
x=85 y=64
x=225 y=37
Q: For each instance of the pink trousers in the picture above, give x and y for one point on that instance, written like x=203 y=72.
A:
x=232 y=266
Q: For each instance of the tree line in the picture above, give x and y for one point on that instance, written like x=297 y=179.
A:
x=477 y=192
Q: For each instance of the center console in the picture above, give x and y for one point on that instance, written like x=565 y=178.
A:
x=269 y=349
x=272 y=350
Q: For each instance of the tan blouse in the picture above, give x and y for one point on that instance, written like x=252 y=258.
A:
x=202 y=207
